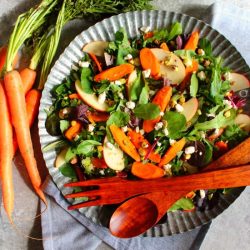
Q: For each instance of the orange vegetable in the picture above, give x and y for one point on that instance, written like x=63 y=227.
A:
x=148 y=35
x=94 y=58
x=3 y=54
x=161 y=99
x=28 y=77
x=193 y=41
x=16 y=100
x=6 y=155
x=138 y=140
x=164 y=46
x=97 y=116
x=74 y=96
x=147 y=170
x=72 y=131
x=172 y=152
x=222 y=148
x=115 y=73
x=124 y=142
x=99 y=163
x=149 y=61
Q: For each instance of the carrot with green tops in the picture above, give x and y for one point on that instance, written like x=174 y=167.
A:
x=172 y=152
x=147 y=170
x=161 y=99
x=114 y=73
x=193 y=41
x=3 y=54
x=16 y=101
x=6 y=155
x=149 y=61
x=124 y=142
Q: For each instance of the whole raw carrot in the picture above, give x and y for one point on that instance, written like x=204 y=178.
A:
x=6 y=154
x=16 y=101
x=28 y=77
x=3 y=54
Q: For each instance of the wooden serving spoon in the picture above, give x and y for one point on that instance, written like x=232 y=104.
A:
x=140 y=213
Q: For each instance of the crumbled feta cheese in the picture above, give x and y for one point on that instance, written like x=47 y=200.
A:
x=217 y=131
x=158 y=125
x=200 y=153
x=167 y=167
x=118 y=82
x=171 y=141
x=137 y=129
x=165 y=131
x=189 y=150
x=188 y=62
x=202 y=134
x=161 y=113
x=201 y=52
x=202 y=193
x=130 y=105
x=158 y=144
x=179 y=108
x=84 y=64
x=91 y=127
x=228 y=103
x=109 y=145
x=74 y=67
x=201 y=75
x=146 y=73
x=120 y=94
x=125 y=129
x=142 y=132
x=228 y=76
x=102 y=97
x=102 y=172
x=210 y=115
x=145 y=29
x=128 y=57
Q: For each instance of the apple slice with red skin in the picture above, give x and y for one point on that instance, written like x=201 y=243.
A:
x=190 y=108
x=238 y=81
x=90 y=99
x=243 y=121
x=96 y=47
x=131 y=78
x=114 y=157
x=175 y=75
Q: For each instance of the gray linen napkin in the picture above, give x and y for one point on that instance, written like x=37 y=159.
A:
x=71 y=230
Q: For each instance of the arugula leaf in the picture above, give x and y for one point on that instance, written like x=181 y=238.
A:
x=176 y=123
x=219 y=121
x=189 y=54
x=86 y=83
x=67 y=170
x=194 y=85
x=183 y=204
x=143 y=99
x=176 y=29
x=85 y=147
x=205 y=44
x=64 y=125
x=159 y=35
x=147 y=111
x=136 y=88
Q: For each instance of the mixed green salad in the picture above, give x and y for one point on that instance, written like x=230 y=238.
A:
x=157 y=105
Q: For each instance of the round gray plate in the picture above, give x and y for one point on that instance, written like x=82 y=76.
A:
x=175 y=222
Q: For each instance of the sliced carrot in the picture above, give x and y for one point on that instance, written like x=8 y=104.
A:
x=149 y=61
x=97 y=116
x=161 y=99
x=193 y=41
x=138 y=140
x=6 y=155
x=28 y=77
x=147 y=170
x=115 y=73
x=16 y=100
x=164 y=46
x=124 y=142
x=94 y=58
x=172 y=152
x=99 y=163
x=75 y=96
x=74 y=130
x=148 y=35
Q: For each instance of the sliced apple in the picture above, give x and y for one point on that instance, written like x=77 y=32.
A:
x=131 y=78
x=243 y=121
x=96 y=47
x=174 y=70
x=90 y=99
x=113 y=156
x=60 y=158
x=190 y=108
x=238 y=81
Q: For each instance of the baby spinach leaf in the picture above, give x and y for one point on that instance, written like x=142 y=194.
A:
x=136 y=88
x=194 y=85
x=176 y=123
x=176 y=29
x=86 y=83
x=143 y=99
x=67 y=170
x=147 y=111
x=71 y=153
x=64 y=125
x=183 y=204
x=85 y=147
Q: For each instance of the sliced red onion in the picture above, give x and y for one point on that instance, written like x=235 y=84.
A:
x=81 y=113
x=236 y=101
x=166 y=82
x=150 y=149
x=109 y=59
x=179 y=42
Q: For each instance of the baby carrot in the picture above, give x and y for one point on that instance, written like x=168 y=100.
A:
x=192 y=42
x=16 y=101
x=149 y=61
x=6 y=154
